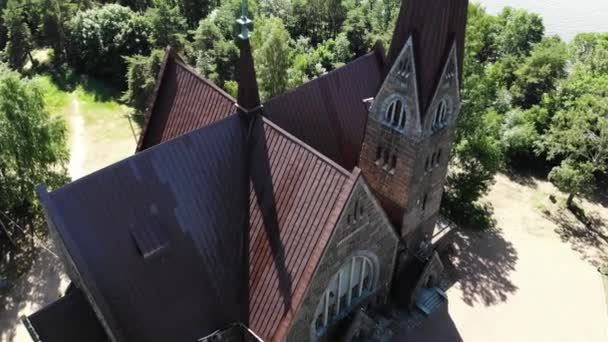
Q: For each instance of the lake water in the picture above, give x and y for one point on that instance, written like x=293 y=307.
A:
x=563 y=17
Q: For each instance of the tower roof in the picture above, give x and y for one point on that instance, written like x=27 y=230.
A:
x=433 y=25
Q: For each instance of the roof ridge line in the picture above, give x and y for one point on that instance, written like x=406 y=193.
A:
x=206 y=81
x=307 y=147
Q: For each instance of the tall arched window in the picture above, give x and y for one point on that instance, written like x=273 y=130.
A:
x=352 y=283
x=395 y=115
x=440 y=117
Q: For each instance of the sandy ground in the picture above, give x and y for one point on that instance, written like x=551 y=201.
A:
x=45 y=282
x=533 y=278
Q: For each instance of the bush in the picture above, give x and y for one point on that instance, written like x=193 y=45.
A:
x=141 y=78
x=99 y=37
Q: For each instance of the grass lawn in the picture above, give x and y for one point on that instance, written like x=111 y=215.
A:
x=106 y=135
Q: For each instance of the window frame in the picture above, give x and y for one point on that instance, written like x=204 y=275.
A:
x=359 y=275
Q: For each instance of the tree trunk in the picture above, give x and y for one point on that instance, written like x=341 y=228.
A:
x=569 y=200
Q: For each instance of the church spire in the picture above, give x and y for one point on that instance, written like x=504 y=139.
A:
x=248 y=99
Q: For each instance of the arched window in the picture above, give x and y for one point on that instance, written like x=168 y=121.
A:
x=351 y=284
x=396 y=115
x=378 y=153
x=405 y=68
x=438 y=159
x=393 y=163
x=440 y=118
x=385 y=158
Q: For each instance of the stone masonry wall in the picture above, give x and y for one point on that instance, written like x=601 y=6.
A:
x=370 y=232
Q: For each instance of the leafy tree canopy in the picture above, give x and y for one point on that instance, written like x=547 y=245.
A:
x=33 y=151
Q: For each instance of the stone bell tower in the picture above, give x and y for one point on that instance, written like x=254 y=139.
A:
x=411 y=122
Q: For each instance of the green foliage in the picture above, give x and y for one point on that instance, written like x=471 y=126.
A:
x=539 y=73
x=100 y=36
x=142 y=72
x=357 y=27
x=272 y=56
x=591 y=51
x=477 y=153
x=232 y=88
x=579 y=137
x=19 y=38
x=214 y=56
x=318 y=20
x=168 y=25
x=194 y=10
x=572 y=178
x=519 y=137
x=33 y=151
x=136 y=5
x=520 y=30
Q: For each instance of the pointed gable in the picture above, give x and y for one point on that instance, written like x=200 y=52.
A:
x=400 y=87
x=445 y=105
x=182 y=102
x=297 y=196
x=433 y=25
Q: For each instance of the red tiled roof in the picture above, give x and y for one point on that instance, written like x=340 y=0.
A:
x=433 y=24
x=183 y=102
x=328 y=113
x=309 y=193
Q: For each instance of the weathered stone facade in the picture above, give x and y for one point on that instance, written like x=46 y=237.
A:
x=410 y=180
x=362 y=229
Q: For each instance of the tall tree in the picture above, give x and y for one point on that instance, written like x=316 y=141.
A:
x=33 y=151
x=579 y=137
x=194 y=10
x=272 y=56
x=520 y=30
x=540 y=72
x=476 y=155
x=19 y=38
x=168 y=25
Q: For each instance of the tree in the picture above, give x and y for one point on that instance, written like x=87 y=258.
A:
x=591 y=52
x=272 y=56
x=519 y=31
x=578 y=136
x=477 y=153
x=19 y=38
x=540 y=72
x=194 y=10
x=100 y=36
x=214 y=56
x=357 y=27
x=168 y=25
x=141 y=78
x=33 y=151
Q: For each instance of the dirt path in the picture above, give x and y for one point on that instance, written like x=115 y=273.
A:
x=534 y=278
x=77 y=145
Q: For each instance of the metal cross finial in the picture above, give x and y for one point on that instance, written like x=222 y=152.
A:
x=244 y=21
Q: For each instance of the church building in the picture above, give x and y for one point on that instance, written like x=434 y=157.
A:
x=237 y=220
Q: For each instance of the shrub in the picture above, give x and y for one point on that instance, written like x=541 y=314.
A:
x=101 y=36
